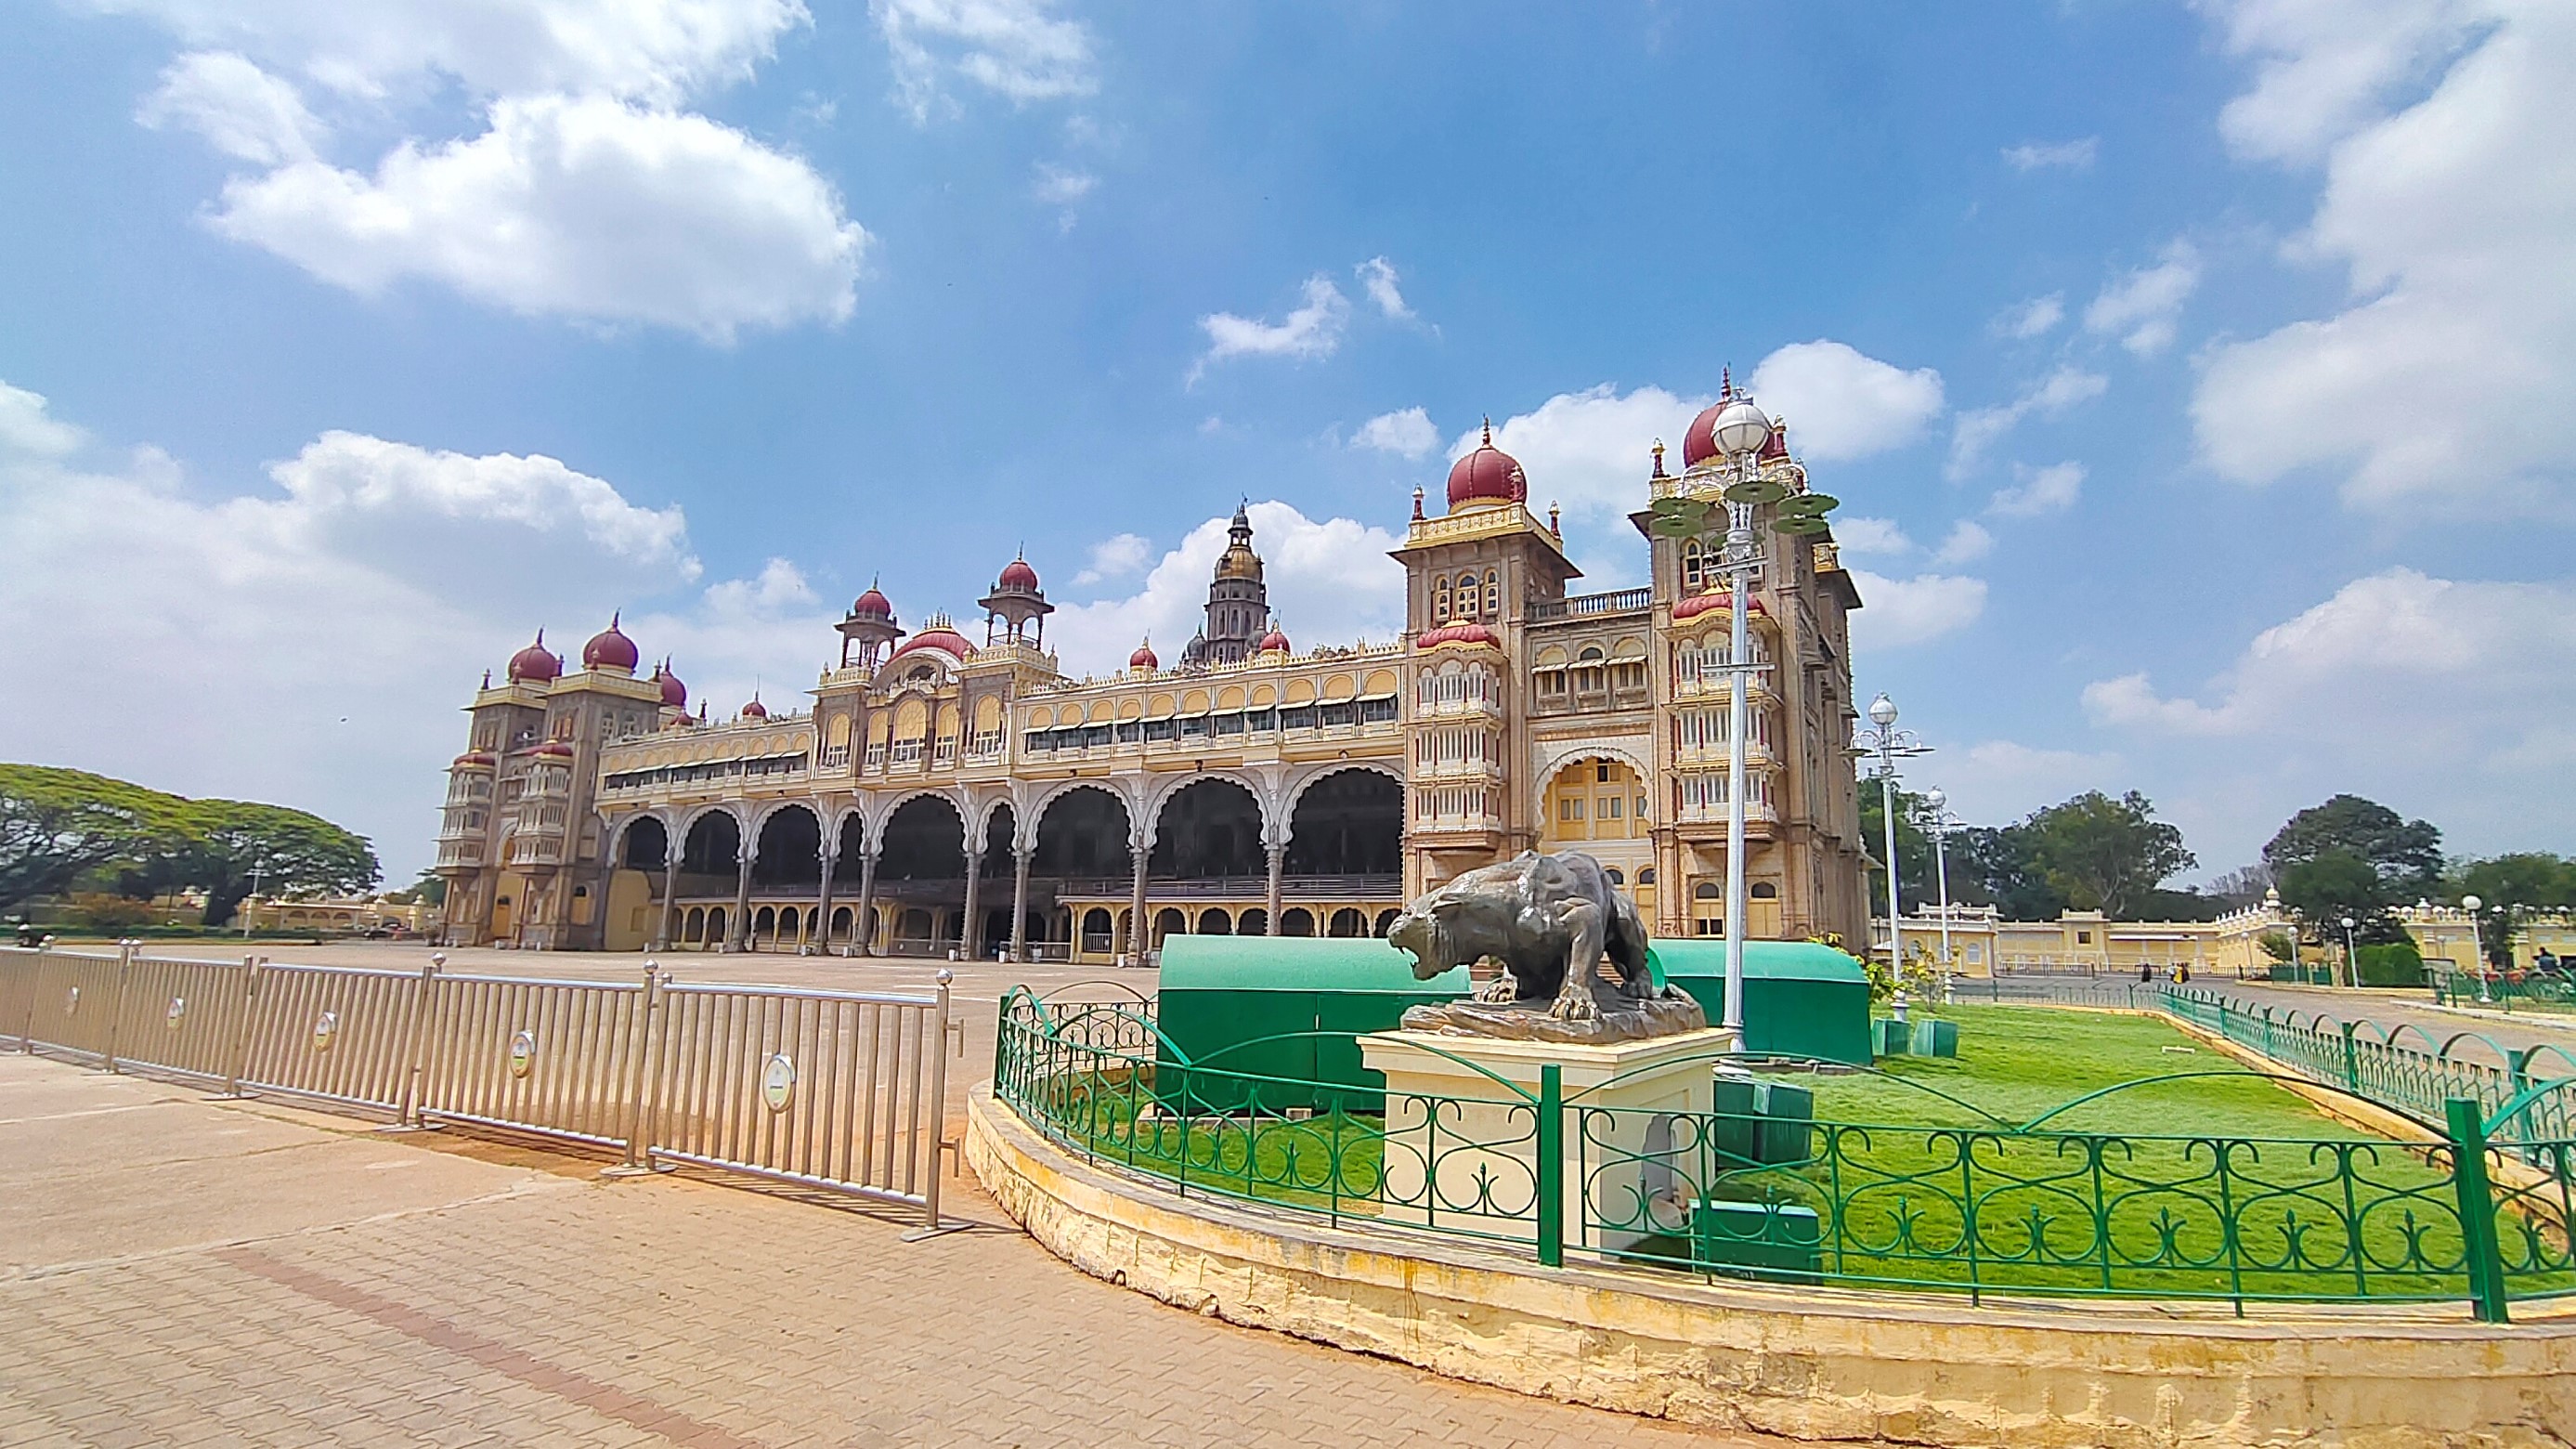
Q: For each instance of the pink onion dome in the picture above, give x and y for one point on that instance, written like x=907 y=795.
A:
x=473 y=760
x=1698 y=604
x=1467 y=633
x=872 y=605
x=675 y=695
x=555 y=749
x=1274 y=642
x=610 y=649
x=938 y=636
x=1144 y=658
x=535 y=664
x=1487 y=475
x=1017 y=575
x=755 y=709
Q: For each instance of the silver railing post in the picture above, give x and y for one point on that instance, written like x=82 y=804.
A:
x=643 y=1077
x=116 y=1003
x=27 y=1034
x=417 y=1069
x=939 y=1101
x=237 y=1060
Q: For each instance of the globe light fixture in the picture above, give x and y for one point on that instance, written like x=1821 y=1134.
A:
x=2351 y=966
x=1889 y=743
x=2477 y=944
x=1740 y=428
x=1882 y=712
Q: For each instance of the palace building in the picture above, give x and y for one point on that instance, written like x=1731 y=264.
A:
x=940 y=793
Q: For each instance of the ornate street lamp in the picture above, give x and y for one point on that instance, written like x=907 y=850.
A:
x=2351 y=968
x=1890 y=744
x=2477 y=945
x=1939 y=800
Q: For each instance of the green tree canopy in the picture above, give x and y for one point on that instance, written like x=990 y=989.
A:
x=234 y=846
x=2333 y=884
x=1999 y=860
x=58 y=825
x=2106 y=854
x=2406 y=855
x=2510 y=887
x=1914 y=883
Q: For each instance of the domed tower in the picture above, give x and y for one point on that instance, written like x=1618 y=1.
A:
x=869 y=628
x=1238 y=602
x=1016 y=603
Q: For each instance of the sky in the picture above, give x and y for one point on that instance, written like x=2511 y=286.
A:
x=2199 y=379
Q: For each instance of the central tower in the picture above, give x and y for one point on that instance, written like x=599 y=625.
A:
x=1238 y=602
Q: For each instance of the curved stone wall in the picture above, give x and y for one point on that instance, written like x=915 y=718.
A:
x=1915 y=1369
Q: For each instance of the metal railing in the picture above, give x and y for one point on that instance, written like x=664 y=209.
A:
x=843 y=1091
x=2475 y=1205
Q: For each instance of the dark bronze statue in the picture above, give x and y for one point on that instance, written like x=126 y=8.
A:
x=1548 y=921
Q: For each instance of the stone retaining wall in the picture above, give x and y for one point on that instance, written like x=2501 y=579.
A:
x=1808 y=1363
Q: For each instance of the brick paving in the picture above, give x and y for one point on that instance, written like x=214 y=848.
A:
x=177 y=1270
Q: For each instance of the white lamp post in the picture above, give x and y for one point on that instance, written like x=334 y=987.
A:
x=1741 y=431
x=1889 y=743
x=2351 y=968
x=2477 y=945
x=1939 y=800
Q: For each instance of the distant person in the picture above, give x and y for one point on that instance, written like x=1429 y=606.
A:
x=2182 y=975
x=28 y=935
x=2146 y=972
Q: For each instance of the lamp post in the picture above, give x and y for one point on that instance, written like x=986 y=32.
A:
x=2477 y=945
x=1890 y=744
x=1741 y=431
x=1939 y=800
x=252 y=902
x=2351 y=972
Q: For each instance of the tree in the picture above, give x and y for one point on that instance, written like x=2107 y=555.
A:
x=1997 y=862
x=234 y=843
x=1915 y=886
x=2509 y=888
x=430 y=889
x=2106 y=854
x=2406 y=855
x=57 y=825
x=2278 y=946
x=2326 y=888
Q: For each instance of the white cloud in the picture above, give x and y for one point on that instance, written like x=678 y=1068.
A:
x=2077 y=155
x=1870 y=535
x=2453 y=700
x=1967 y=542
x=1897 y=612
x=2142 y=306
x=1014 y=48
x=1115 y=557
x=1313 y=330
x=26 y=431
x=1995 y=781
x=2052 y=489
x=369 y=579
x=588 y=208
x=2035 y=318
x=654 y=51
x=779 y=588
x=589 y=193
x=1841 y=404
x=1058 y=186
x=1588 y=450
x=2453 y=367
x=238 y=109
x=1979 y=430
x=1330 y=581
x=1377 y=278
x=1408 y=433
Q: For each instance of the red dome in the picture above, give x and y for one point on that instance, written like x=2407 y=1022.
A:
x=1018 y=575
x=1457 y=634
x=472 y=760
x=1275 y=639
x=555 y=748
x=1488 y=473
x=675 y=695
x=534 y=664
x=946 y=640
x=610 y=649
x=1698 y=604
x=755 y=709
x=872 y=605
x=1144 y=658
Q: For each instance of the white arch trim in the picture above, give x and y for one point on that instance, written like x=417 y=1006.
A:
x=956 y=799
x=1107 y=786
x=1162 y=789
x=1306 y=780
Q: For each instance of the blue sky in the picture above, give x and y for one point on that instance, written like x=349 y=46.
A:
x=2199 y=379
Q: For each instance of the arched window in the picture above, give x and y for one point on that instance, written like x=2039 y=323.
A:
x=1763 y=890
x=1691 y=569
x=1708 y=890
x=1493 y=594
x=1440 y=598
x=1615 y=877
x=1645 y=874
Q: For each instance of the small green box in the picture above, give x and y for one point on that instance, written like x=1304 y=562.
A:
x=1935 y=1038
x=1734 y=1127
x=1787 y=1130
x=1890 y=1037
x=1775 y=1242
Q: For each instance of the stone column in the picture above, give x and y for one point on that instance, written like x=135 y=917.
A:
x=866 y=927
x=970 y=931
x=1278 y=867
x=1020 y=860
x=738 y=929
x=823 y=897
x=670 y=898
x=1137 y=931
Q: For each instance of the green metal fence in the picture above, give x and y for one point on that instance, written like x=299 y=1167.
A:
x=2475 y=1208
x=2509 y=993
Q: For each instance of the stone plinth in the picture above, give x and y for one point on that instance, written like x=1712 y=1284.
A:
x=1445 y=1116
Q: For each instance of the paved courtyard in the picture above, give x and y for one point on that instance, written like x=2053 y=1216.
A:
x=177 y=1270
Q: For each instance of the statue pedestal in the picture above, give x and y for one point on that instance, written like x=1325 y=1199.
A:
x=1462 y=1150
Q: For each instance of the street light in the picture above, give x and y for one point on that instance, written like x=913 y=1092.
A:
x=1890 y=744
x=1741 y=431
x=1939 y=800
x=2477 y=945
x=2351 y=974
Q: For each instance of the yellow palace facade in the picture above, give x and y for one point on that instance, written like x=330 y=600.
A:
x=941 y=793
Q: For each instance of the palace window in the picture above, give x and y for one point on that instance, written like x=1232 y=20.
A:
x=1440 y=599
x=1694 y=573
x=1493 y=595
